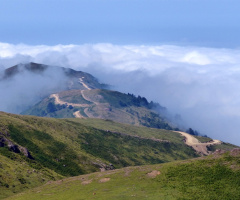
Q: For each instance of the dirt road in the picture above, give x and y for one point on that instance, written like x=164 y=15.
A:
x=78 y=115
x=87 y=99
x=195 y=144
x=84 y=85
x=58 y=101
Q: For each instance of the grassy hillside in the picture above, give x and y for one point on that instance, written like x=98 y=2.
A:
x=208 y=178
x=104 y=104
x=70 y=147
x=34 y=150
x=17 y=174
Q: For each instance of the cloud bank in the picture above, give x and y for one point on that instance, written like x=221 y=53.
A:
x=19 y=92
x=201 y=84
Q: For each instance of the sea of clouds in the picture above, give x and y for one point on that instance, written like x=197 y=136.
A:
x=200 y=84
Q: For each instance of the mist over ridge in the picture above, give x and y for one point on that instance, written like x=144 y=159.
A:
x=201 y=84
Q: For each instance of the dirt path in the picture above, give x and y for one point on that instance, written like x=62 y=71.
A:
x=86 y=106
x=87 y=99
x=87 y=113
x=195 y=144
x=58 y=101
x=78 y=115
x=84 y=85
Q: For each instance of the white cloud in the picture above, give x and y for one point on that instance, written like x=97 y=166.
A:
x=202 y=84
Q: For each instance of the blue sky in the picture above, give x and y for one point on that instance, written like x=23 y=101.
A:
x=212 y=23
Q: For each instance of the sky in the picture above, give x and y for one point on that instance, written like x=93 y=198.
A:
x=213 y=23
x=183 y=54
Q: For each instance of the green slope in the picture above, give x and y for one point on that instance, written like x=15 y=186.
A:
x=18 y=174
x=212 y=177
x=70 y=147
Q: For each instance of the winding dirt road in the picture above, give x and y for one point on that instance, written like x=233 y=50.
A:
x=86 y=106
x=195 y=144
x=58 y=101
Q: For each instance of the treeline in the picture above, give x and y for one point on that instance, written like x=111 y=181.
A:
x=51 y=107
x=194 y=132
x=142 y=101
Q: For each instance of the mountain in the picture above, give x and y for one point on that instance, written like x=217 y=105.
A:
x=23 y=85
x=50 y=91
x=35 y=150
x=58 y=92
x=212 y=177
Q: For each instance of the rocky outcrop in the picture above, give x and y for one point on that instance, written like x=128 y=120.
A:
x=14 y=147
x=219 y=152
x=235 y=152
x=25 y=152
x=104 y=167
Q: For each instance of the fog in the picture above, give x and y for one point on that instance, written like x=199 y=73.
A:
x=201 y=84
x=27 y=88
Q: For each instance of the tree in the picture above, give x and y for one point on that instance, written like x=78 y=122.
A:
x=190 y=131
x=51 y=107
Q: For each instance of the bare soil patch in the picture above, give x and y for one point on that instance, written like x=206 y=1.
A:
x=154 y=173
x=196 y=145
x=103 y=180
x=86 y=182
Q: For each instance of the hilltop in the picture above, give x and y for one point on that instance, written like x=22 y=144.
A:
x=72 y=76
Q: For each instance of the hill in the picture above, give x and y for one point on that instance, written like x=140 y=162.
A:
x=58 y=92
x=35 y=150
x=103 y=104
x=23 y=85
x=212 y=177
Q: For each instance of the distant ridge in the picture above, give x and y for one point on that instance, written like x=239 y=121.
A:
x=37 y=68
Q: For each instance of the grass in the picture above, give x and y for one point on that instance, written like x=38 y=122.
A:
x=223 y=146
x=68 y=147
x=73 y=96
x=214 y=177
x=131 y=130
x=47 y=108
x=17 y=175
x=203 y=139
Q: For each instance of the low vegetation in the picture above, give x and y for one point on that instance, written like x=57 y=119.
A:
x=212 y=177
x=70 y=147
